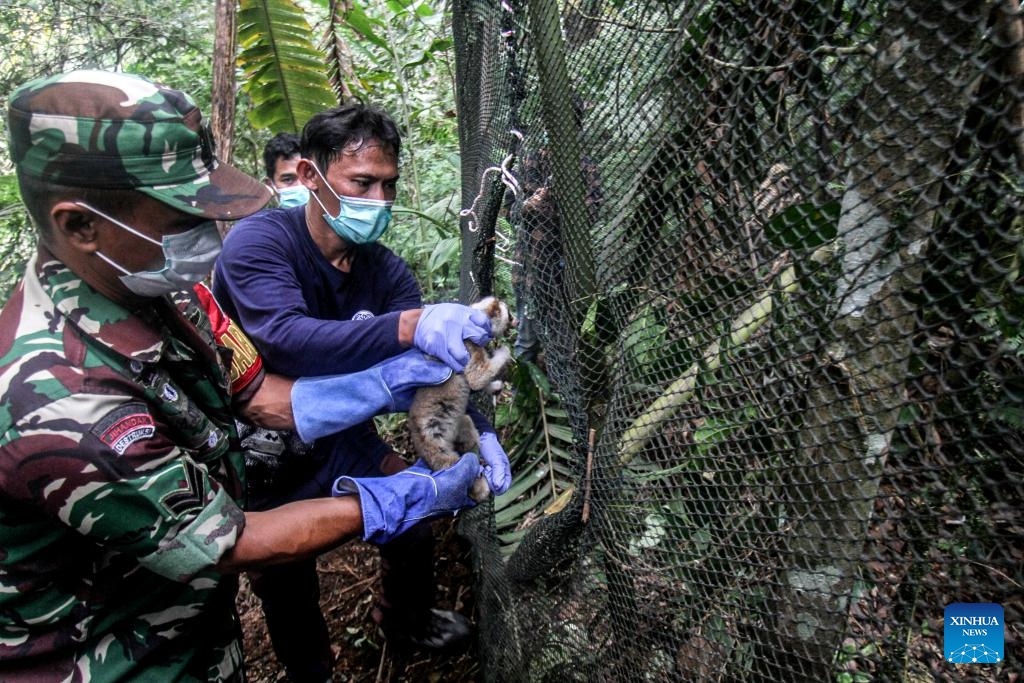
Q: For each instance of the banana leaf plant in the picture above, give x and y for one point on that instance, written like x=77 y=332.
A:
x=281 y=69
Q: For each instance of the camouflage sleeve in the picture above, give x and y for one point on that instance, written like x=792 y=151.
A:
x=105 y=467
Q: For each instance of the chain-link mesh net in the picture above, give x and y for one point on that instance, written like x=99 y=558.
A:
x=768 y=256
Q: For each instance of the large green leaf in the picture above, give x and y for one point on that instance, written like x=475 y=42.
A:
x=363 y=24
x=283 y=72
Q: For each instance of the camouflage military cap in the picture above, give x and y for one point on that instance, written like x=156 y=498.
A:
x=99 y=129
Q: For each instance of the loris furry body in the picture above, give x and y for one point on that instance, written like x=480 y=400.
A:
x=438 y=425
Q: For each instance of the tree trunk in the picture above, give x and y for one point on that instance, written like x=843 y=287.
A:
x=904 y=131
x=222 y=114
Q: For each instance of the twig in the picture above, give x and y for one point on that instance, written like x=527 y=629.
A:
x=547 y=444
x=861 y=48
x=585 y=516
x=357 y=584
x=995 y=571
x=682 y=389
x=631 y=27
x=380 y=666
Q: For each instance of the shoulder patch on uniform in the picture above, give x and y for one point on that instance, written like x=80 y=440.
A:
x=246 y=363
x=124 y=425
x=363 y=315
x=188 y=497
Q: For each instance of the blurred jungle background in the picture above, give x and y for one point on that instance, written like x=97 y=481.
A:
x=766 y=419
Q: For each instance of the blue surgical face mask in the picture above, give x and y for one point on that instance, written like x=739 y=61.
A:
x=359 y=221
x=188 y=258
x=295 y=195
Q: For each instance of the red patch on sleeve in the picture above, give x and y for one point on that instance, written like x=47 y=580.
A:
x=246 y=363
x=125 y=425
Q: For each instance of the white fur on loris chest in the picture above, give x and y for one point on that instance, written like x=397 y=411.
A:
x=438 y=425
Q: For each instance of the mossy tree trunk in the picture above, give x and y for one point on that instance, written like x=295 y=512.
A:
x=904 y=131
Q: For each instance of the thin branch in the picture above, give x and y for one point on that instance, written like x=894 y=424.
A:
x=547 y=445
x=585 y=515
x=862 y=48
x=632 y=27
x=995 y=571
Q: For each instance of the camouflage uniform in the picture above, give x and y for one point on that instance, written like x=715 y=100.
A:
x=121 y=478
x=121 y=436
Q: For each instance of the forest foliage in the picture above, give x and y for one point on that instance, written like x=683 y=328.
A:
x=294 y=58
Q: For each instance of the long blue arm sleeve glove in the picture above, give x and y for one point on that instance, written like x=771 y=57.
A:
x=497 y=469
x=442 y=328
x=325 y=405
x=391 y=505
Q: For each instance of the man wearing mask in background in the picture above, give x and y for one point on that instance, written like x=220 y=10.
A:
x=318 y=294
x=122 y=519
x=280 y=157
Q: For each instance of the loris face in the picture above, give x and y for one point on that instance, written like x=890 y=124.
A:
x=497 y=312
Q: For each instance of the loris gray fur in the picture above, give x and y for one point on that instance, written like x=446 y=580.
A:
x=438 y=425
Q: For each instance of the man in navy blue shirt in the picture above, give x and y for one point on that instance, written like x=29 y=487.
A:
x=319 y=296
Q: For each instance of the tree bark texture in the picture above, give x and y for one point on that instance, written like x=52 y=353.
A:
x=905 y=128
x=222 y=115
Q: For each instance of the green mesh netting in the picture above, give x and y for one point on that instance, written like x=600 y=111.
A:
x=767 y=255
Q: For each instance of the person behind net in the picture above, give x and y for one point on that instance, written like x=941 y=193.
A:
x=318 y=294
x=122 y=521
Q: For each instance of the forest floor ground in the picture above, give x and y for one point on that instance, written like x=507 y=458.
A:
x=349 y=578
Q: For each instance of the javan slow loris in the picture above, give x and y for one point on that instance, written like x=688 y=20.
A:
x=438 y=425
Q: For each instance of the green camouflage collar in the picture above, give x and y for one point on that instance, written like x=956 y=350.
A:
x=109 y=323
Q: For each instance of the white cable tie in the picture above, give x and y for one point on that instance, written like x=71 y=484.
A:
x=502 y=241
x=501 y=258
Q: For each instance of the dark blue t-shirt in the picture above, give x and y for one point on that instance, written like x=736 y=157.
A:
x=305 y=316
x=308 y=318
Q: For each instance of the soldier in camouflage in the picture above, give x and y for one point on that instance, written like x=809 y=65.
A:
x=122 y=517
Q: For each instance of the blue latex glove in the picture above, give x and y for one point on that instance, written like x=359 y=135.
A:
x=325 y=405
x=442 y=329
x=497 y=470
x=391 y=505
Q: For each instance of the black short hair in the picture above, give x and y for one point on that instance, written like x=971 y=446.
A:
x=281 y=146
x=329 y=134
x=39 y=196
